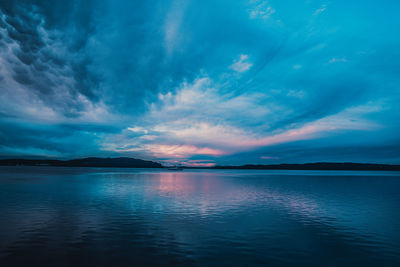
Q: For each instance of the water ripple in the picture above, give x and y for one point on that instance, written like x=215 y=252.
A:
x=62 y=216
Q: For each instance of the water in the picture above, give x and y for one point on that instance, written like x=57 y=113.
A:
x=131 y=217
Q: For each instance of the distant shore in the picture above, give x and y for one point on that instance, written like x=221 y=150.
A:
x=125 y=162
x=328 y=166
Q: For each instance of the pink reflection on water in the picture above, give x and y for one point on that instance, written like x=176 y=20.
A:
x=175 y=183
x=202 y=192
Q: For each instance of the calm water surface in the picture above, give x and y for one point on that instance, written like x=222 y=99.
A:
x=131 y=217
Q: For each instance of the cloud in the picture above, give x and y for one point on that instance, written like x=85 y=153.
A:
x=261 y=10
x=137 y=129
x=337 y=60
x=188 y=123
x=39 y=72
x=180 y=151
x=297 y=94
x=173 y=22
x=320 y=10
x=216 y=81
x=25 y=138
x=242 y=64
x=268 y=157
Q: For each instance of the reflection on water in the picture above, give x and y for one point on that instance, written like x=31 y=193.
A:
x=82 y=216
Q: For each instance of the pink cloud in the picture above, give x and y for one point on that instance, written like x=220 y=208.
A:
x=182 y=151
x=193 y=164
x=266 y=157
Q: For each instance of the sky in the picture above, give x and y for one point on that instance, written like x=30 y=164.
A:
x=200 y=83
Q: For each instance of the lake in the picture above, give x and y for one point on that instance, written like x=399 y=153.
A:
x=140 y=217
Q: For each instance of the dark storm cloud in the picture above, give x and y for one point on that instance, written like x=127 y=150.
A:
x=44 y=55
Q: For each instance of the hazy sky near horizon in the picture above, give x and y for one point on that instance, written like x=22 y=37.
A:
x=201 y=82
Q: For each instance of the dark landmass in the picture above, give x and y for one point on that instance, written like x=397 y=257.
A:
x=86 y=162
x=125 y=162
x=346 y=166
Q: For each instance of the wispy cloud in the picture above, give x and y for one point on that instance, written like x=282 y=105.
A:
x=172 y=25
x=242 y=64
x=320 y=10
x=337 y=60
x=261 y=10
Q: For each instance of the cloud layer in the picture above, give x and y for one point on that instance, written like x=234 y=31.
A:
x=200 y=83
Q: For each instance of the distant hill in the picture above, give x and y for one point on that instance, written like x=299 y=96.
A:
x=123 y=162
x=346 y=166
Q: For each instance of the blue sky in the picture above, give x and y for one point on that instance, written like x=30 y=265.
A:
x=201 y=82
